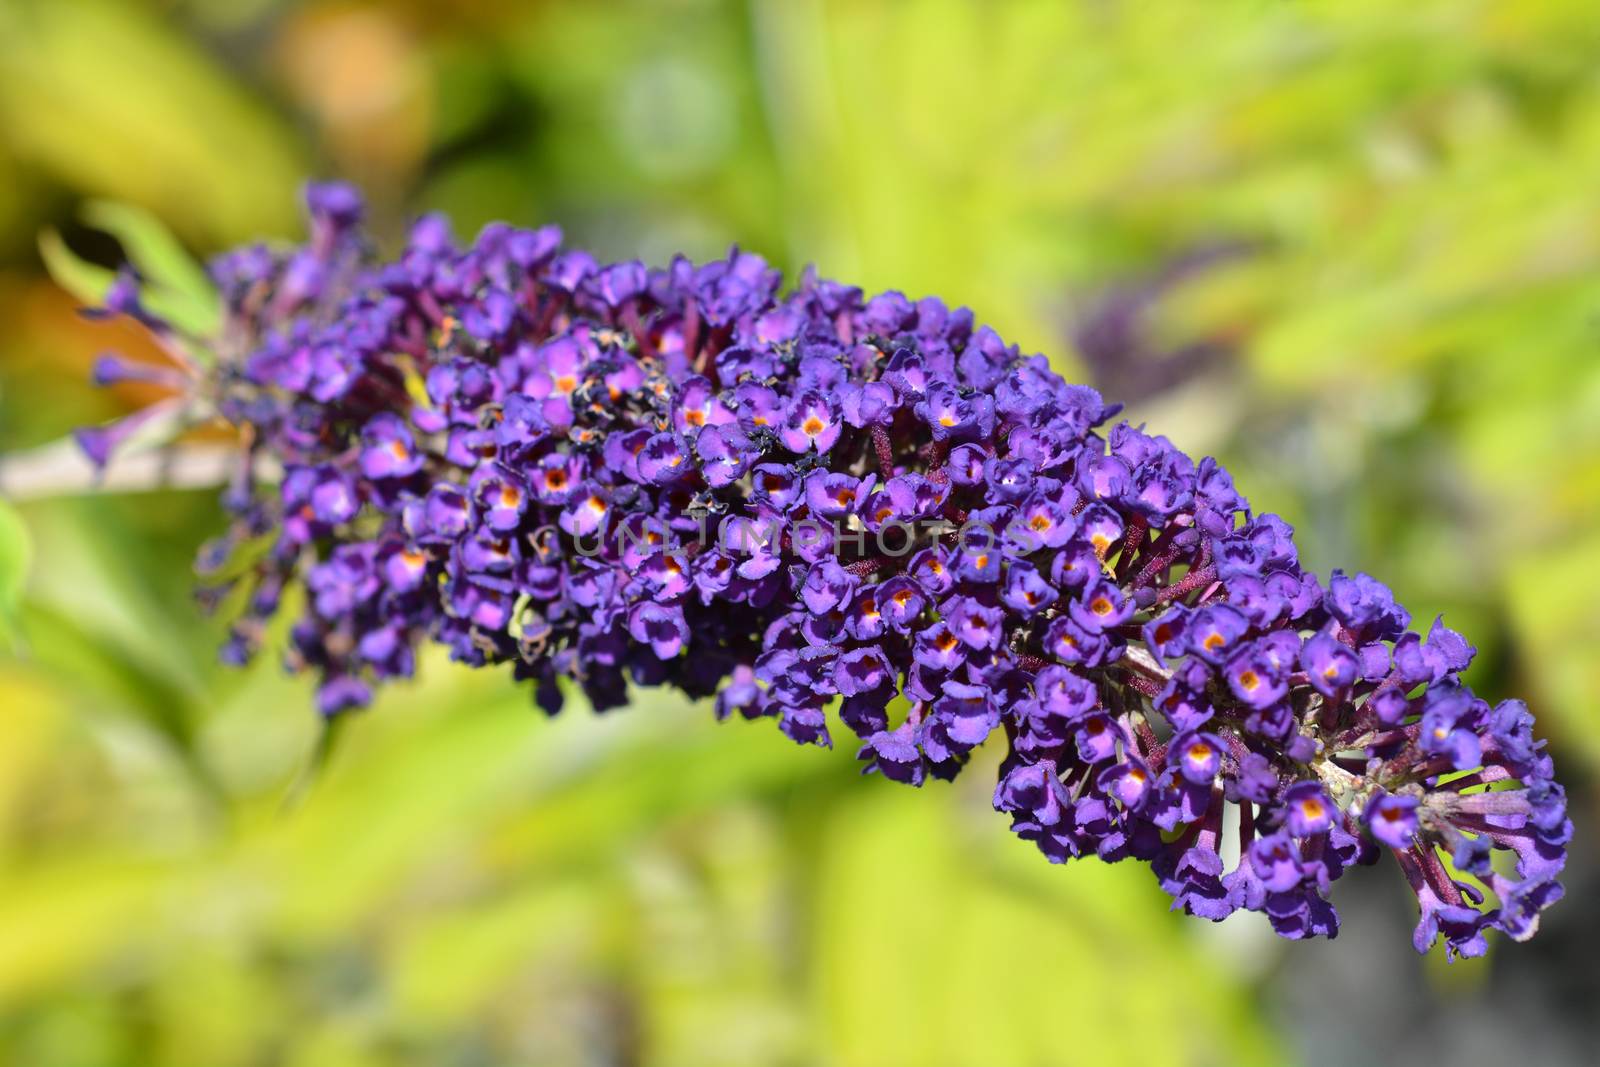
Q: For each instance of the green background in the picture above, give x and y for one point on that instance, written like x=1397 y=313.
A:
x=1401 y=355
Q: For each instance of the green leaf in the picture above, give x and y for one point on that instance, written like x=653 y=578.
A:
x=892 y=863
x=176 y=288
x=180 y=289
x=316 y=764
x=120 y=100
x=86 y=281
x=16 y=552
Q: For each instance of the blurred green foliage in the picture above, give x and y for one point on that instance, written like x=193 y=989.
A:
x=1411 y=380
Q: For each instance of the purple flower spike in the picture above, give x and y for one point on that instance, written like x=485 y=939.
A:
x=810 y=424
x=388 y=448
x=1393 y=819
x=1255 y=679
x=1198 y=757
x=612 y=476
x=660 y=627
x=1309 y=809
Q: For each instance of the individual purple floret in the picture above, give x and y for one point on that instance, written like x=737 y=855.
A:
x=811 y=502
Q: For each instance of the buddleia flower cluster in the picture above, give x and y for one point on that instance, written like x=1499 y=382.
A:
x=843 y=513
